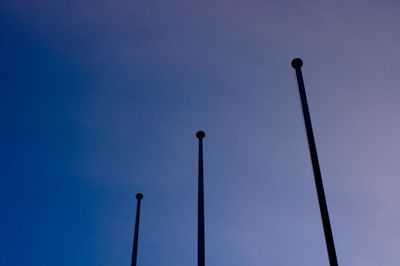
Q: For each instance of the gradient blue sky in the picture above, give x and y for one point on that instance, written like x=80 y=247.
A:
x=102 y=99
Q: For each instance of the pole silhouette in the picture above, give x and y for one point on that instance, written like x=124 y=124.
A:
x=297 y=63
x=200 y=222
x=139 y=197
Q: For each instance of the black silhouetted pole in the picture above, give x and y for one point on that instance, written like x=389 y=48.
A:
x=139 y=198
x=297 y=63
x=200 y=222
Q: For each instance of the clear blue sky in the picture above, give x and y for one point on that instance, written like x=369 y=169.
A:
x=102 y=99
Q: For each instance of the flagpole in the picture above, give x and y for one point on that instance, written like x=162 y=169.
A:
x=200 y=229
x=297 y=63
x=139 y=198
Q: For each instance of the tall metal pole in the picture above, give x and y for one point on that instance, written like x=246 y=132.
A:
x=200 y=229
x=297 y=63
x=139 y=197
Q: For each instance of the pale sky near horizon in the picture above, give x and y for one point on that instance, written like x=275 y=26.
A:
x=102 y=99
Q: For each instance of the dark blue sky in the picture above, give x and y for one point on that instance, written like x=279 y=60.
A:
x=100 y=100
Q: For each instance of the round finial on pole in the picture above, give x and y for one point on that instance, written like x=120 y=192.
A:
x=297 y=63
x=139 y=196
x=200 y=134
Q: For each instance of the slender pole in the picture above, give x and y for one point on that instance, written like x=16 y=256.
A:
x=139 y=197
x=200 y=229
x=297 y=63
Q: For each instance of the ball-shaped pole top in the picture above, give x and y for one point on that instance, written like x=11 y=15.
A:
x=139 y=196
x=297 y=63
x=200 y=134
